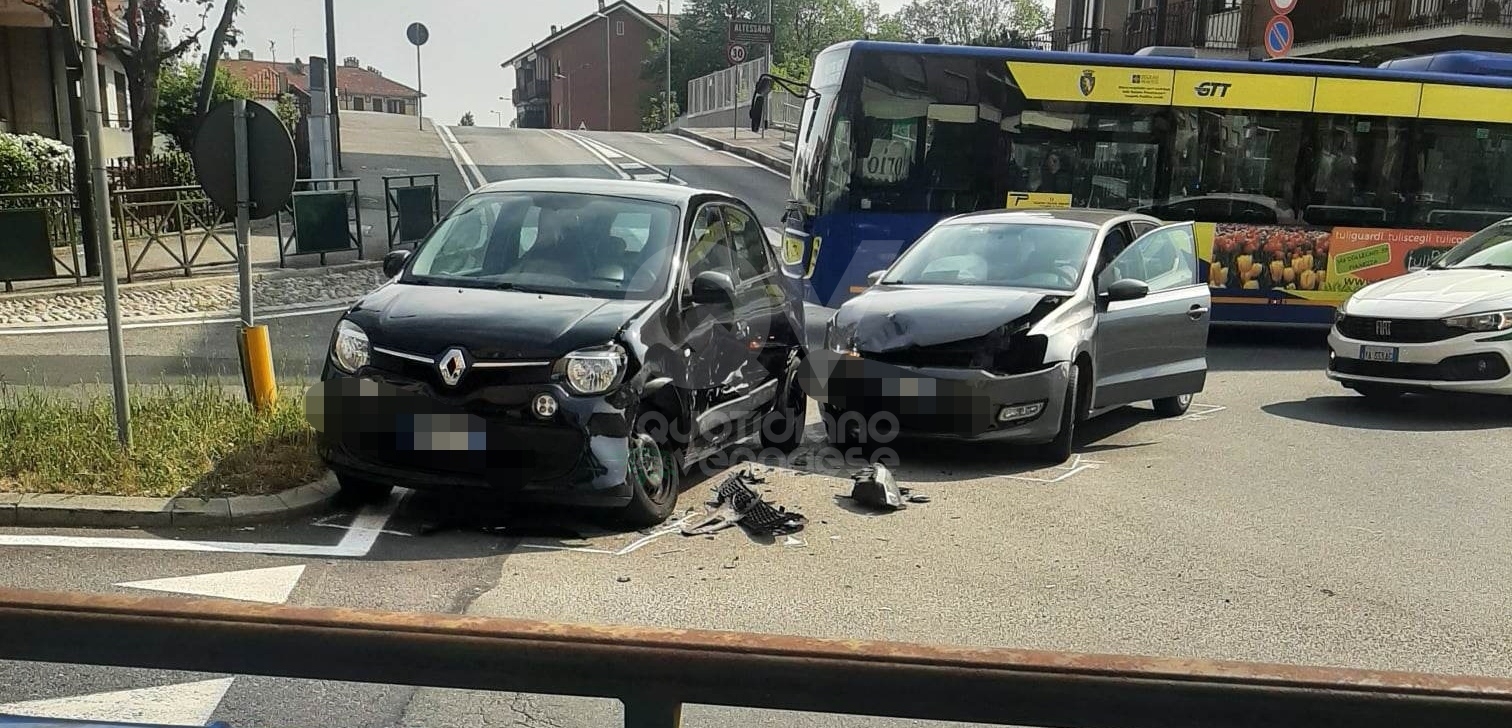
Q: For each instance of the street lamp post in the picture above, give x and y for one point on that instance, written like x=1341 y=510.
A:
x=667 y=100
x=498 y=118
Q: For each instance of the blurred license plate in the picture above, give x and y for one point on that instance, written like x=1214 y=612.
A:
x=1378 y=353
x=443 y=433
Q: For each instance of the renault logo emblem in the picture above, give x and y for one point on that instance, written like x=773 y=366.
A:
x=1383 y=328
x=452 y=365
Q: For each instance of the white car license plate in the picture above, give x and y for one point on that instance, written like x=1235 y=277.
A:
x=1379 y=353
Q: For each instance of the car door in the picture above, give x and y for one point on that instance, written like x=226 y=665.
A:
x=713 y=354
x=1155 y=346
x=767 y=334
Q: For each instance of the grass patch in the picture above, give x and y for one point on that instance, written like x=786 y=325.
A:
x=188 y=439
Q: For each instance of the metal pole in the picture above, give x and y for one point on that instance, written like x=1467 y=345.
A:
x=243 y=211
x=330 y=9
x=83 y=185
x=667 y=103
x=94 y=127
x=420 y=90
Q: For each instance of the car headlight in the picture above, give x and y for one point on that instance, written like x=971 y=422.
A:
x=351 y=350
x=595 y=370
x=1494 y=321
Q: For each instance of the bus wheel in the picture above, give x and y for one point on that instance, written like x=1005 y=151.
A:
x=1173 y=406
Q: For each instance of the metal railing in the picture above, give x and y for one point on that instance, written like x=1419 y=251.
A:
x=342 y=235
x=1194 y=23
x=412 y=208
x=182 y=224
x=1076 y=40
x=654 y=672
x=1352 y=18
x=727 y=89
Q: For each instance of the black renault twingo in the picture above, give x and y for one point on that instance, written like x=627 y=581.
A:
x=568 y=341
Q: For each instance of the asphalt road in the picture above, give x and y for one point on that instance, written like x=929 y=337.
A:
x=1283 y=520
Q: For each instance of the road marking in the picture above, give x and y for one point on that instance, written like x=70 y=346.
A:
x=1207 y=412
x=269 y=586
x=460 y=157
x=694 y=142
x=596 y=153
x=358 y=541
x=1077 y=465
x=655 y=174
x=185 y=704
x=755 y=163
x=169 y=324
x=650 y=138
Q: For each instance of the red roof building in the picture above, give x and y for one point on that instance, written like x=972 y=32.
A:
x=357 y=88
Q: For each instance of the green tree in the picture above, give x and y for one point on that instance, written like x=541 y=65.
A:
x=974 y=22
x=653 y=116
x=289 y=112
x=178 y=103
x=467 y=120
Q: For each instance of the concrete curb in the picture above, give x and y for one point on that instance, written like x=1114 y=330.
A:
x=170 y=318
x=107 y=511
x=776 y=163
x=191 y=282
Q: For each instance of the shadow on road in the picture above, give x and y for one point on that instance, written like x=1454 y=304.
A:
x=1233 y=348
x=1439 y=413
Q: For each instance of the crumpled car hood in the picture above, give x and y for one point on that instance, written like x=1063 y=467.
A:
x=889 y=318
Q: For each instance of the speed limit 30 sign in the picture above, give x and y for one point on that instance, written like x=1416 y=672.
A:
x=736 y=54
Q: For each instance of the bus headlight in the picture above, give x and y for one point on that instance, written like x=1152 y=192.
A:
x=1494 y=321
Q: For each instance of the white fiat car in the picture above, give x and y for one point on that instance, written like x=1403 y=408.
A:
x=1447 y=327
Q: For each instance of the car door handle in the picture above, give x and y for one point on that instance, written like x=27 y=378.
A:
x=1197 y=312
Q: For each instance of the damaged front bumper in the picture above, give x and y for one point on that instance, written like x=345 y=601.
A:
x=939 y=402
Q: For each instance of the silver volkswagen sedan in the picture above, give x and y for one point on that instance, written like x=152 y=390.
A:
x=1016 y=326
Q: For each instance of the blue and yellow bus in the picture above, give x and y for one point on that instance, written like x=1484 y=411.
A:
x=1308 y=180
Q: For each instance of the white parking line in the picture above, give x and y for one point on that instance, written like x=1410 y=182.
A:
x=675 y=527
x=357 y=542
x=1077 y=465
x=460 y=157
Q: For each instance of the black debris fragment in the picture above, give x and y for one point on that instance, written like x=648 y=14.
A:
x=737 y=500
x=878 y=488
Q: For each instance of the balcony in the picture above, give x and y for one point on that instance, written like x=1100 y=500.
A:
x=1076 y=40
x=531 y=91
x=1218 y=24
x=1429 y=23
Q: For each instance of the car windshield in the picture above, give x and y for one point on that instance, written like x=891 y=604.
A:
x=1020 y=255
x=552 y=242
x=1489 y=248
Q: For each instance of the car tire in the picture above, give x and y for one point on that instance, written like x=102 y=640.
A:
x=782 y=427
x=1061 y=448
x=361 y=490
x=655 y=478
x=1174 y=406
x=1380 y=392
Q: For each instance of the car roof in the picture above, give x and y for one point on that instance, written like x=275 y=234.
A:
x=652 y=191
x=1082 y=217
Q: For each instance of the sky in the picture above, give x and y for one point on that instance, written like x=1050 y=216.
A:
x=469 y=39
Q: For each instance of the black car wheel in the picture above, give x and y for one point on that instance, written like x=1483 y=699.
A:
x=1174 y=406
x=362 y=490
x=1059 y=450
x=654 y=477
x=782 y=428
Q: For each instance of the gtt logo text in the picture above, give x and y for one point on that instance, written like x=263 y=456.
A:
x=1213 y=88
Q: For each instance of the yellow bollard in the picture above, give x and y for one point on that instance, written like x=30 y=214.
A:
x=257 y=367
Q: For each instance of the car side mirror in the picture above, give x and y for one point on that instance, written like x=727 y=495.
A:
x=875 y=277
x=714 y=288
x=393 y=263
x=1127 y=289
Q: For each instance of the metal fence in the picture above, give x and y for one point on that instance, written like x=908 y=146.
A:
x=726 y=90
x=654 y=672
x=60 y=228
x=1196 y=23
x=171 y=229
x=1350 y=18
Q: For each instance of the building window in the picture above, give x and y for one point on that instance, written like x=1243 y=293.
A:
x=123 y=106
x=359 y=103
x=397 y=106
x=561 y=122
x=619 y=27
x=104 y=96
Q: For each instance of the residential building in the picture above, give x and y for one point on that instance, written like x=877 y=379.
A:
x=34 y=81
x=1235 y=28
x=588 y=74
x=357 y=88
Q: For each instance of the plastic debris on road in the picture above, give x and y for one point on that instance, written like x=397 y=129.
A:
x=876 y=487
x=737 y=501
